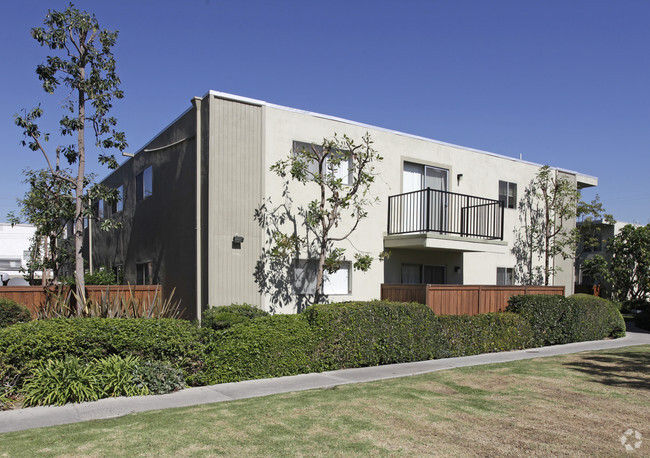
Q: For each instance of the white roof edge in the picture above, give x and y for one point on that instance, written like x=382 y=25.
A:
x=585 y=180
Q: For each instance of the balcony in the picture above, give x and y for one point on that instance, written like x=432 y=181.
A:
x=416 y=218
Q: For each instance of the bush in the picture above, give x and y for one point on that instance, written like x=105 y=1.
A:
x=158 y=377
x=597 y=318
x=462 y=335
x=271 y=346
x=72 y=380
x=357 y=334
x=62 y=381
x=223 y=317
x=559 y=320
x=12 y=312
x=117 y=376
x=178 y=342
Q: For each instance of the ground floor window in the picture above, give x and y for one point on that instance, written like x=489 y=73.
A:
x=143 y=273
x=505 y=276
x=304 y=281
x=423 y=274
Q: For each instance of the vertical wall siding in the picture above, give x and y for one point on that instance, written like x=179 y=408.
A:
x=234 y=192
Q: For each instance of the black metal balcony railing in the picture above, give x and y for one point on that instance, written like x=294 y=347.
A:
x=445 y=212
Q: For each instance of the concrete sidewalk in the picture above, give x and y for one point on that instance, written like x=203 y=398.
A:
x=36 y=417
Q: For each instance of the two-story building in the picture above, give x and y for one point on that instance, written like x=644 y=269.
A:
x=446 y=213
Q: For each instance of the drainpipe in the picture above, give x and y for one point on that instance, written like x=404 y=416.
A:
x=196 y=101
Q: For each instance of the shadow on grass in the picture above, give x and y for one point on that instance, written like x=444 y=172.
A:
x=629 y=369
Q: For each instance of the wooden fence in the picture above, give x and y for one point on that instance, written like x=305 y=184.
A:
x=462 y=299
x=34 y=297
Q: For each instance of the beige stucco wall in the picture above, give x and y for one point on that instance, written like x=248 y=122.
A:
x=480 y=171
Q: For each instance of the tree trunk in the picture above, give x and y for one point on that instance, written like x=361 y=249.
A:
x=319 y=277
x=79 y=195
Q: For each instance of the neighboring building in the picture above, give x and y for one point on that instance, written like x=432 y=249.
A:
x=604 y=231
x=14 y=248
x=190 y=195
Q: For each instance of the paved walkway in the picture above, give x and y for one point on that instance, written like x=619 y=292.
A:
x=36 y=417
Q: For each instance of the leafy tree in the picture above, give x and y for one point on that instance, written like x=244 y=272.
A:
x=548 y=206
x=47 y=205
x=590 y=215
x=597 y=268
x=341 y=172
x=630 y=265
x=84 y=64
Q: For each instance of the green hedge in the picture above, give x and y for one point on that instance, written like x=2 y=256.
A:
x=361 y=334
x=224 y=316
x=462 y=335
x=271 y=346
x=559 y=320
x=357 y=334
x=12 y=312
x=178 y=342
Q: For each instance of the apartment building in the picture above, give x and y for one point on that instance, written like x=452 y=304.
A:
x=446 y=213
x=15 y=242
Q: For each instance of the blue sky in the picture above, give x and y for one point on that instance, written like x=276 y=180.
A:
x=565 y=83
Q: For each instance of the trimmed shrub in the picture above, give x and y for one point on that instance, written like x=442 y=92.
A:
x=12 y=312
x=463 y=335
x=271 y=346
x=178 y=342
x=597 y=318
x=358 y=334
x=158 y=377
x=223 y=317
x=559 y=320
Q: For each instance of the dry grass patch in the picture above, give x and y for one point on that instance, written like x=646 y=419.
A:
x=575 y=405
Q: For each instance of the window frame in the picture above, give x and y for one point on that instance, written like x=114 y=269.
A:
x=509 y=194
x=508 y=273
x=312 y=167
x=303 y=264
x=118 y=205
x=147 y=273
x=142 y=192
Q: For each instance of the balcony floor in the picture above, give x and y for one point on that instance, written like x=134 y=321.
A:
x=436 y=241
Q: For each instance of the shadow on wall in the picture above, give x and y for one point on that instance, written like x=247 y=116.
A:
x=275 y=272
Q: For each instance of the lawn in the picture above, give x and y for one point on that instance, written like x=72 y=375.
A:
x=577 y=404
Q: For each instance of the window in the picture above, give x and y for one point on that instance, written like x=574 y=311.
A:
x=99 y=208
x=304 y=281
x=423 y=274
x=119 y=205
x=69 y=230
x=144 y=184
x=10 y=264
x=343 y=171
x=143 y=273
x=505 y=276
x=508 y=194
x=118 y=271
